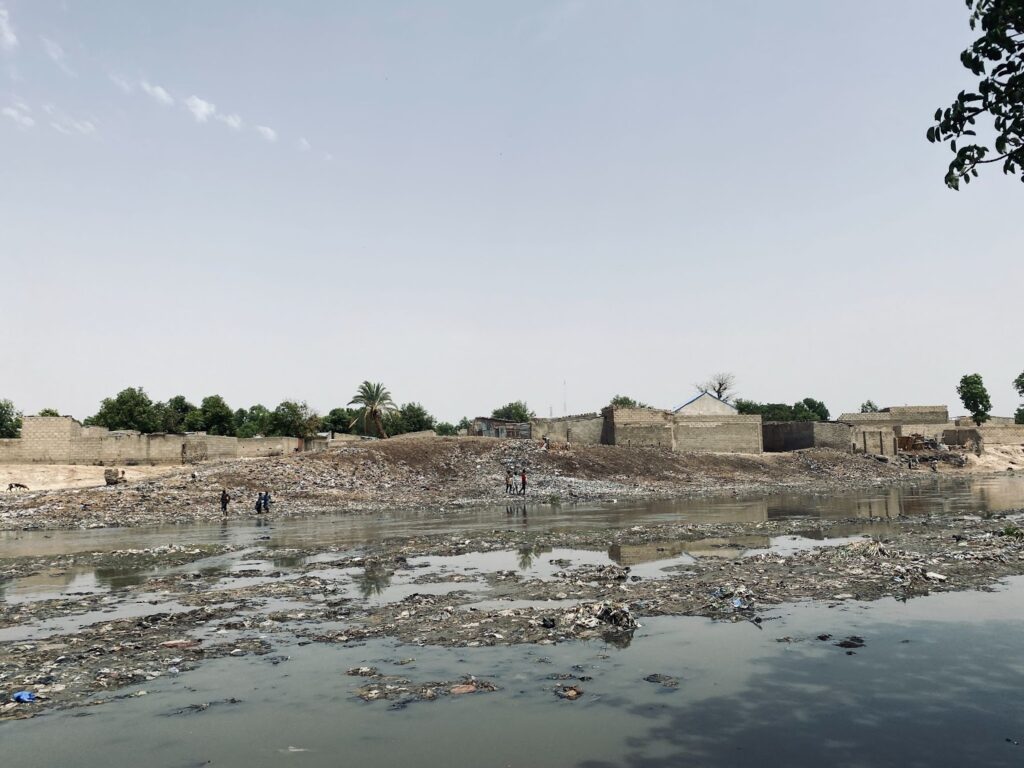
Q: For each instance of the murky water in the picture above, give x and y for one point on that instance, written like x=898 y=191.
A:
x=932 y=495
x=937 y=683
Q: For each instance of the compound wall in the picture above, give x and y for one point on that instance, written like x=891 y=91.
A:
x=698 y=434
x=584 y=429
x=798 y=435
x=62 y=440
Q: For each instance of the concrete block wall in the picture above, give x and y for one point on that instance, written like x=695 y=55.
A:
x=798 y=435
x=62 y=440
x=583 y=429
x=710 y=433
x=257 y=447
x=901 y=415
x=997 y=435
x=874 y=439
x=718 y=434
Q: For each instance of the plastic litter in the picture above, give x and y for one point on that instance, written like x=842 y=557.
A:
x=24 y=697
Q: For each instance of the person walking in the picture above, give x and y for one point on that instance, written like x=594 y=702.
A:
x=266 y=502
x=224 y=499
x=259 y=503
x=522 y=478
x=508 y=480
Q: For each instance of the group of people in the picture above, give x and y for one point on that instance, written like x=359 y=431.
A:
x=262 y=502
x=510 y=482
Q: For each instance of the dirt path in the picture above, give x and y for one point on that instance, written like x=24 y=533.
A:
x=47 y=477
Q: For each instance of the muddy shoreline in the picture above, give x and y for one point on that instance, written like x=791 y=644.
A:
x=443 y=474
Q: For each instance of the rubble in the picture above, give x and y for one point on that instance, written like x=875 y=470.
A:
x=433 y=473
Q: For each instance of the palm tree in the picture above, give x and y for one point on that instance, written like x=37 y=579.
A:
x=374 y=401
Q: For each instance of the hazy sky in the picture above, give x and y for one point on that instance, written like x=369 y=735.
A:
x=476 y=202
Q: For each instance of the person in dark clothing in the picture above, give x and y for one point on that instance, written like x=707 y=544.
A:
x=259 y=503
x=266 y=502
x=224 y=499
x=522 y=479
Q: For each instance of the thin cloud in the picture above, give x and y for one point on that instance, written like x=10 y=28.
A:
x=19 y=113
x=233 y=121
x=63 y=123
x=8 y=40
x=157 y=93
x=124 y=85
x=201 y=110
x=267 y=133
x=303 y=144
x=57 y=55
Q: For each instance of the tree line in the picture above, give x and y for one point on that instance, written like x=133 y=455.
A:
x=373 y=412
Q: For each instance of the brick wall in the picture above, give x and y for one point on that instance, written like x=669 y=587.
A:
x=582 y=429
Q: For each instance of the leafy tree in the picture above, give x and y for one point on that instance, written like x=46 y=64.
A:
x=997 y=59
x=130 y=408
x=868 y=406
x=194 y=421
x=1018 y=384
x=464 y=423
x=10 y=420
x=975 y=397
x=411 y=417
x=252 y=422
x=374 y=402
x=217 y=416
x=514 y=411
x=810 y=409
x=446 y=429
x=807 y=409
x=340 y=420
x=292 y=419
x=173 y=414
x=624 y=401
x=721 y=385
x=48 y=412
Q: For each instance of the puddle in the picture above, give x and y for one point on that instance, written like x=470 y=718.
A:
x=66 y=625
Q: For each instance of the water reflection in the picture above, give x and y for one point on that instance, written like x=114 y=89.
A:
x=527 y=556
x=932 y=495
x=374 y=579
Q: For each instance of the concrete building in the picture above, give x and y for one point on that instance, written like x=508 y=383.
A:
x=705 y=404
x=878 y=439
x=63 y=440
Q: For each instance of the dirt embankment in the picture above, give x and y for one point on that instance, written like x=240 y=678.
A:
x=434 y=473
